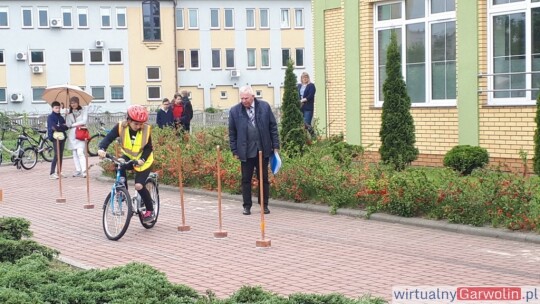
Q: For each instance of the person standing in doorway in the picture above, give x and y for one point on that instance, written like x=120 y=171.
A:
x=253 y=128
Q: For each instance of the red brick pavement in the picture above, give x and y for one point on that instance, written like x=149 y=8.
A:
x=311 y=252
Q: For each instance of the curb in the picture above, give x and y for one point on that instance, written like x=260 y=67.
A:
x=505 y=234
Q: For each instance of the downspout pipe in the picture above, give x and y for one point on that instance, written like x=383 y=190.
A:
x=175 y=49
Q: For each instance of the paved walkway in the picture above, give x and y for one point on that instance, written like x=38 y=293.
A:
x=311 y=252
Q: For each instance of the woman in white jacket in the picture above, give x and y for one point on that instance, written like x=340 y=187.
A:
x=77 y=117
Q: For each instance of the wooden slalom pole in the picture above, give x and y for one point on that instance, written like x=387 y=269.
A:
x=220 y=233
x=61 y=199
x=184 y=227
x=88 y=204
x=262 y=243
x=1 y=195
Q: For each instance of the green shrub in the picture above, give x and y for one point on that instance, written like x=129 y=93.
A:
x=12 y=228
x=11 y=251
x=465 y=158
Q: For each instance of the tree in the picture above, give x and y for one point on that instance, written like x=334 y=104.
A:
x=397 y=128
x=293 y=135
x=536 y=157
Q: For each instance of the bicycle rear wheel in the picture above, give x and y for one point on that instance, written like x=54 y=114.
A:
x=117 y=214
x=151 y=185
x=29 y=158
x=93 y=144
x=47 y=150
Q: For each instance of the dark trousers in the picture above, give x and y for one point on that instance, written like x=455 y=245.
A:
x=140 y=178
x=247 y=173
x=57 y=154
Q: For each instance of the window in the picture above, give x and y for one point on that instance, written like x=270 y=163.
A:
x=27 y=18
x=263 y=18
x=67 y=18
x=96 y=56
x=98 y=93
x=153 y=74
x=181 y=59
x=82 y=13
x=299 y=58
x=194 y=59
x=285 y=18
x=250 y=18
x=115 y=56
x=76 y=56
x=229 y=58
x=121 y=18
x=154 y=92
x=105 y=17
x=2 y=60
x=179 y=18
x=37 y=57
x=193 y=18
x=223 y=94
x=4 y=17
x=151 y=20
x=216 y=59
x=265 y=58
x=43 y=17
x=229 y=18
x=258 y=94
x=214 y=18
x=117 y=93
x=285 y=56
x=427 y=42
x=251 y=62
x=37 y=94
x=514 y=34
x=299 y=18
x=3 y=95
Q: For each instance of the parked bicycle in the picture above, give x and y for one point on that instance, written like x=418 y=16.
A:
x=93 y=142
x=43 y=145
x=119 y=206
x=21 y=157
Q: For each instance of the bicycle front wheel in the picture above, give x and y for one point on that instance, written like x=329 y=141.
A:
x=47 y=150
x=117 y=212
x=29 y=158
x=151 y=185
x=93 y=144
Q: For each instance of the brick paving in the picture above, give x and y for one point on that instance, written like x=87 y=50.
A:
x=311 y=252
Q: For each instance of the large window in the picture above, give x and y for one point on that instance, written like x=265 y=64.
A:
x=4 y=17
x=96 y=56
x=27 y=19
x=298 y=18
x=195 y=59
x=43 y=17
x=514 y=66
x=299 y=58
x=265 y=58
x=105 y=17
x=98 y=93
x=82 y=17
x=151 y=20
x=285 y=19
x=426 y=36
x=285 y=56
x=179 y=18
x=115 y=56
x=193 y=18
x=216 y=59
x=76 y=57
x=121 y=17
x=251 y=58
x=263 y=18
x=214 y=18
x=229 y=58
x=117 y=94
x=67 y=18
x=250 y=18
x=229 y=18
x=181 y=59
x=37 y=94
x=153 y=74
x=37 y=57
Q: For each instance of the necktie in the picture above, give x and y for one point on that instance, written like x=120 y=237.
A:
x=251 y=115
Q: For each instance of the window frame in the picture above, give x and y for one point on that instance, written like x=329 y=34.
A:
x=226 y=24
x=178 y=61
x=248 y=26
x=285 y=23
x=218 y=58
x=296 y=50
x=2 y=57
x=104 y=12
x=82 y=11
x=283 y=61
x=38 y=91
x=214 y=19
x=119 y=11
x=196 y=16
x=81 y=51
x=5 y=9
x=179 y=15
x=267 y=11
x=254 y=52
x=267 y=50
x=153 y=29
x=401 y=24
x=301 y=26
x=31 y=10
x=148 y=92
x=158 y=79
x=67 y=10
x=92 y=51
x=96 y=97
x=123 y=99
x=227 y=53
x=46 y=10
x=5 y=99
x=223 y=95
x=121 y=56
x=198 y=52
x=31 y=60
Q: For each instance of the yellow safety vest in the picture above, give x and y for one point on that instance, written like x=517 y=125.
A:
x=133 y=150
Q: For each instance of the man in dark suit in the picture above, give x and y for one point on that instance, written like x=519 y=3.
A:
x=252 y=128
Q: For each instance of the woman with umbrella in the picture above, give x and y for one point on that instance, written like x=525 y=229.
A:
x=77 y=118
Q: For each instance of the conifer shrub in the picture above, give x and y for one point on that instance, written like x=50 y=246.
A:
x=466 y=158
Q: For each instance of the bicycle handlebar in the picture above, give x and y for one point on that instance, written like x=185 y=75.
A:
x=120 y=162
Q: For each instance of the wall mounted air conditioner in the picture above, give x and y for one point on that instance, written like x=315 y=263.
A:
x=20 y=56
x=37 y=69
x=16 y=97
x=56 y=22
x=235 y=73
x=100 y=43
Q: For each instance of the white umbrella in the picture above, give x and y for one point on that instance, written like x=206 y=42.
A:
x=62 y=93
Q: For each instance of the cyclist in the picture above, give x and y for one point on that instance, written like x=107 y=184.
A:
x=136 y=144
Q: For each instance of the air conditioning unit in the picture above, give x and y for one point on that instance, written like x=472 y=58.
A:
x=37 y=69
x=16 y=97
x=100 y=43
x=20 y=56
x=235 y=73
x=56 y=22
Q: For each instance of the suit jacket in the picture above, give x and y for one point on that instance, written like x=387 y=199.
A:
x=309 y=94
x=238 y=129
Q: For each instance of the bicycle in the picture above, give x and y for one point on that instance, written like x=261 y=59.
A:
x=43 y=146
x=119 y=206
x=93 y=142
x=21 y=157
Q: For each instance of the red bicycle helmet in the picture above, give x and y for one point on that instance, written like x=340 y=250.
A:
x=137 y=113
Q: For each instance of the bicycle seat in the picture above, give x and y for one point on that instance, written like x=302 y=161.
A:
x=22 y=137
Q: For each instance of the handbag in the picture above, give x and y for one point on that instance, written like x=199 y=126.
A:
x=82 y=133
x=58 y=135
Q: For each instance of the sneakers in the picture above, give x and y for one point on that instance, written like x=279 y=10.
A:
x=63 y=175
x=148 y=216
x=77 y=174
x=53 y=176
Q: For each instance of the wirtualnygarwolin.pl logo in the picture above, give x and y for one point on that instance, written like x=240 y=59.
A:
x=466 y=294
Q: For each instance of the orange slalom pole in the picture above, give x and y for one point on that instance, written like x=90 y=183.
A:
x=61 y=199
x=220 y=233
x=263 y=243
x=184 y=227
x=1 y=195
x=88 y=205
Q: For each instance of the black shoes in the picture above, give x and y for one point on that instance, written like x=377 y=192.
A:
x=246 y=211
x=266 y=210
